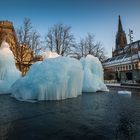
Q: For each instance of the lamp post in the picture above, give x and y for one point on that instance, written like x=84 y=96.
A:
x=131 y=40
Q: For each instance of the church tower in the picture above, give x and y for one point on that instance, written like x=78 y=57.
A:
x=121 y=40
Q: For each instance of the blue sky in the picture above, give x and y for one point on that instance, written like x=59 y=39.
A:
x=99 y=17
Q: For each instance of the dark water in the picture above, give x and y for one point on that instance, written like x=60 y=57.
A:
x=96 y=116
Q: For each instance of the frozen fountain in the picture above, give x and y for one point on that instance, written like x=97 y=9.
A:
x=93 y=74
x=53 y=79
x=60 y=78
x=8 y=71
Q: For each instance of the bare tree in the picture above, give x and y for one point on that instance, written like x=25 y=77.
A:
x=100 y=52
x=60 y=39
x=26 y=35
x=24 y=32
x=28 y=45
x=49 y=40
x=79 y=49
x=35 y=41
x=87 y=46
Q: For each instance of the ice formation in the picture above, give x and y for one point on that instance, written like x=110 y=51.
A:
x=49 y=54
x=53 y=79
x=124 y=92
x=8 y=71
x=93 y=75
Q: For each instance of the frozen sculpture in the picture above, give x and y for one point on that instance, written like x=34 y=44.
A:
x=55 y=78
x=8 y=71
x=93 y=74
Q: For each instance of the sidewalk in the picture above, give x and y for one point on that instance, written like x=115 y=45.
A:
x=132 y=86
x=114 y=84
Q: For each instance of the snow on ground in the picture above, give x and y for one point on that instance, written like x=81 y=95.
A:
x=113 y=84
x=49 y=54
x=53 y=79
x=8 y=71
x=93 y=74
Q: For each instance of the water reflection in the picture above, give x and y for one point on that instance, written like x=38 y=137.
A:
x=125 y=130
x=4 y=129
x=136 y=94
x=103 y=116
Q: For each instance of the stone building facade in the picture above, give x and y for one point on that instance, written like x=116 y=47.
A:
x=7 y=33
x=125 y=62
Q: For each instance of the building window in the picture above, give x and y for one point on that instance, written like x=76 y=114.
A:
x=121 y=68
x=130 y=67
x=114 y=68
x=134 y=66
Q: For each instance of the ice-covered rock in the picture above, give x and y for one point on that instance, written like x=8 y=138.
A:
x=124 y=92
x=53 y=79
x=93 y=74
x=8 y=71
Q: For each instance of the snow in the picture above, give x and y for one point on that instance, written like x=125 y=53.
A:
x=49 y=54
x=8 y=71
x=53 y=79
x=93 y=74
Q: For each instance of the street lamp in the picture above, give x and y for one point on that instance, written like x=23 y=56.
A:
x=131 y=40
x=130 y=36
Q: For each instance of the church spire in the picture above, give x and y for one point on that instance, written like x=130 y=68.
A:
x=120 y=29
x=121 y=40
